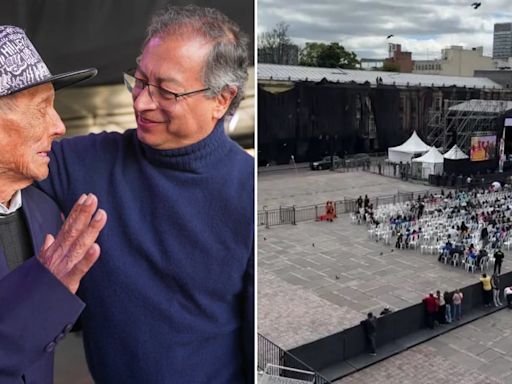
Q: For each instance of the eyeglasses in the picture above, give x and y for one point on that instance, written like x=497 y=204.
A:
x=159 y=95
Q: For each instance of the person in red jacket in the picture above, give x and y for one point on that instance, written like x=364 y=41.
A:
x=431 y=307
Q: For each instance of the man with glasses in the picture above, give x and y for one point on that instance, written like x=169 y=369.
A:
x=171 y=300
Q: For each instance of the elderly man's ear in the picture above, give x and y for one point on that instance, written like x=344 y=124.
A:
x=224 y=99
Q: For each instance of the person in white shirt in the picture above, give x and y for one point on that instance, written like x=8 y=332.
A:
x=508 y=296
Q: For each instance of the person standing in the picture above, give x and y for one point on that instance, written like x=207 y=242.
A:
x=359 y=203
x=495 y=283
x=448 y=303
x=441 y=308
x=431 y=309
x=498 y=260
x=486 y=289
x=172 y=298
x=366 y=202
x=457 y=298
x=370 y=330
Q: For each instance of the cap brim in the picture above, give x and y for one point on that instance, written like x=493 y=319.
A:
x=63 y=80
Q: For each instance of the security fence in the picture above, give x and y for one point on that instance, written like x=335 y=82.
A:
x=284 y=364
x=294 y=214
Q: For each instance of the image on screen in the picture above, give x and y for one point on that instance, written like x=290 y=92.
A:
x=483 y=148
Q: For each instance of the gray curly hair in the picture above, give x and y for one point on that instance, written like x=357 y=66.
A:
x=227 y=61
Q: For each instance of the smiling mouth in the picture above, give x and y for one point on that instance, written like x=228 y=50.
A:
x=144 y=120
x=43 y=153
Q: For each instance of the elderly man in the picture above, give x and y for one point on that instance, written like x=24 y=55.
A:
x=171 y=300
x=37 y=301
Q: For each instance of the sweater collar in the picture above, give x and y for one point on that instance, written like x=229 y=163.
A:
x=193 y=157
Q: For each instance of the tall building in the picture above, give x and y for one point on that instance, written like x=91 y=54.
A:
x=400 y=60
x=502 y=42
x=455 y=61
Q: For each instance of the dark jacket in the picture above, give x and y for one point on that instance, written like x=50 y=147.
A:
x=370 y=325
x=32 y=323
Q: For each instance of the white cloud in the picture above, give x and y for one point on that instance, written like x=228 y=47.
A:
x=423 y=27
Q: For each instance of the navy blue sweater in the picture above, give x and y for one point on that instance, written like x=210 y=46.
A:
x=171 y=298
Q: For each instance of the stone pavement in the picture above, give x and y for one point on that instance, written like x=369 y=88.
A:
x=318 y=278
x=476 y=353
x=306 y=187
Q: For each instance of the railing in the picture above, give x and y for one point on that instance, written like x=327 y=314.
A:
x=345 y=346
x=269 y=353
x=294 y=214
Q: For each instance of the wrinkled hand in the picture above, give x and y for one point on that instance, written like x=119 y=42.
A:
x=69 y=256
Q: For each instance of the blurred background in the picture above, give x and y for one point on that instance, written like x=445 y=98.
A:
x=108 y=34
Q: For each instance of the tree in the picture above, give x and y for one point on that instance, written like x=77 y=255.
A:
x=331 y=55
x=275 y=47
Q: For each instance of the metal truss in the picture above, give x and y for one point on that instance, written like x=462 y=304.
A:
x=465 y=117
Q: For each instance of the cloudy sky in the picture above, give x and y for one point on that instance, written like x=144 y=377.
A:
x=422 y=27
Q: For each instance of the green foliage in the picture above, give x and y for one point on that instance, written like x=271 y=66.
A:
x=331 y=55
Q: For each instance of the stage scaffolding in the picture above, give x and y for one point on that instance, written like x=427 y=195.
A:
x=463 y=117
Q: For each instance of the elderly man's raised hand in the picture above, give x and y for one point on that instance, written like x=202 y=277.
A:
x=69 y=256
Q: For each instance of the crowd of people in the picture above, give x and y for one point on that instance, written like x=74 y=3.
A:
x=443 y=308
x=364 y=211
x=463 y=227
x=471 y=226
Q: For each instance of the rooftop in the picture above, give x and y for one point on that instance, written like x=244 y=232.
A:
x=297 y=73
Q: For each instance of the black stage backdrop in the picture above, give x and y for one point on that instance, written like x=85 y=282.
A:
x=327 y=119
x=277 y=122
x=106 y=34
x=313 y=120
x=386 y=109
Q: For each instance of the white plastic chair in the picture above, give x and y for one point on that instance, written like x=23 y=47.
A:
x=470 y=264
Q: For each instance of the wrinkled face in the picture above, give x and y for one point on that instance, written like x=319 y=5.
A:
x=176 y=63
x=28 y=125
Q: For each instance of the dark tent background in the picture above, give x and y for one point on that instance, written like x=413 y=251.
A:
x=106 y=34
x=312 y=120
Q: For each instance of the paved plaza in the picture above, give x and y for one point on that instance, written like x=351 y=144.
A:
x=305 y=187
x=476 y=353
x=318 y=278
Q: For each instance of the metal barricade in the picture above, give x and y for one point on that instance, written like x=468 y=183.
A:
x=293 y=214
x=284 y=363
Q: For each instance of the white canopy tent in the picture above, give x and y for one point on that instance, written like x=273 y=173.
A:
x=455 y=153
x=431 y=163
x=405 y=152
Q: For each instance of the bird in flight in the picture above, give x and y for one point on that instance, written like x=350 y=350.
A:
x=476 y=5
x=389 y=36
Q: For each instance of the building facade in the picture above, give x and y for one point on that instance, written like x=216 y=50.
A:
x=502 y=41
x=399 y=59
x=455 y=61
